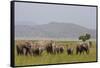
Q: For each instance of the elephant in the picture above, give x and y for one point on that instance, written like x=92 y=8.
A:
x=90 y=43
x=59 y=50
x=49 y=48
x=82 y=48
x=69 y=51
x=54 y=48
x=37 y=51
x=23 y=49
x=19 y=50
x=27 y=49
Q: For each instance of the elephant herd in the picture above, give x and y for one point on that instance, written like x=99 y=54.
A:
x=36 y=49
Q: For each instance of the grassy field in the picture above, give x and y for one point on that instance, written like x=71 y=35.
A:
x=57 y=58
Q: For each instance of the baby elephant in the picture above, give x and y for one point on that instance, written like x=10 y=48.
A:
x=69 y=51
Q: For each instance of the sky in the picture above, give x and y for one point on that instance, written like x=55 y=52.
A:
x=36 y=13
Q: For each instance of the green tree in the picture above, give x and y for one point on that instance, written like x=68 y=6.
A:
x=85 y=37
x=88 y=36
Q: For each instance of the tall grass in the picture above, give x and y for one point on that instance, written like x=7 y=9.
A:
x=57 y=58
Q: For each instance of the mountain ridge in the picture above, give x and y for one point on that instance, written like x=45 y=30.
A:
x=53 y=30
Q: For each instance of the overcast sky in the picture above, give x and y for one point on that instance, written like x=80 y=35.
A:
x=33 y=13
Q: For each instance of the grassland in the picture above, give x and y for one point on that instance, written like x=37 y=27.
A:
x=57 y=58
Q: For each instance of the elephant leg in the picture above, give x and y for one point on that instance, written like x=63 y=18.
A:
x=18 y=50
x=77 y=51
x=80 y=52
x=26 y=52
x=87 y=51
